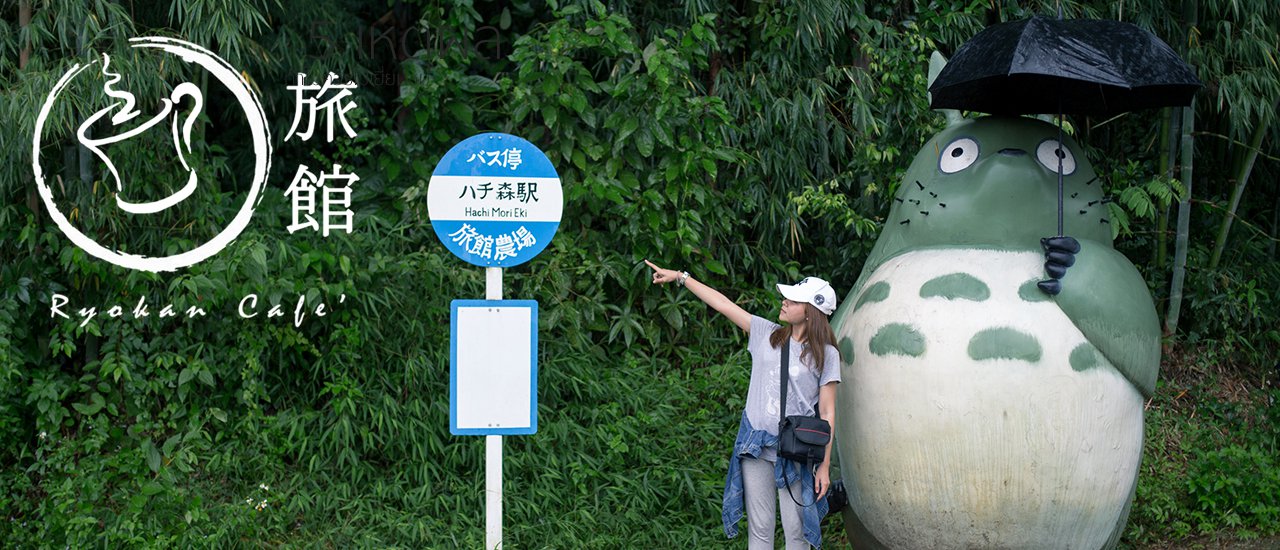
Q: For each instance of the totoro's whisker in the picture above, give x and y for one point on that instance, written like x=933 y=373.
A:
x=1104 y=220
x=920 y=185
x=915 y=202
x=1083 y=212
x=904 y=222
x=898 y=199
x=932 y=194
x=1091 y=203
x=925 y=212
x=1090 y=182
x=942 y=204
x=1073 y=195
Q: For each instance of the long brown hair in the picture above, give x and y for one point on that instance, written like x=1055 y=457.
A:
x=819 y=335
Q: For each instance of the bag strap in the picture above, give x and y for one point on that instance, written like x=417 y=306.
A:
x=785 y=380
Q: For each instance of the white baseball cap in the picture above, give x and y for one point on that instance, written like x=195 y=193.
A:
x=811 y=290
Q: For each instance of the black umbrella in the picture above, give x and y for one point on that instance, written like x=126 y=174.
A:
x=1064 y=66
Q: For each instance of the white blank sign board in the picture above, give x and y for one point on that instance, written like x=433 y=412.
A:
x=493 y=367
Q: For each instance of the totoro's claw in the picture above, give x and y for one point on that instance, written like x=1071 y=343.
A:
x=1055 y=271
x=1051 y=287
x=1064 y=259
x=1062 y=243
x=1059 y=254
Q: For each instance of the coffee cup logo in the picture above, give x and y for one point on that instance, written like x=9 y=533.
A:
x=177 y=115
x=122 y=112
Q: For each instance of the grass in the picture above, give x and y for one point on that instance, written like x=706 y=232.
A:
x=1210 y=473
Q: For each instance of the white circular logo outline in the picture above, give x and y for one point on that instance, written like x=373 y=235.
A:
x=236 y=84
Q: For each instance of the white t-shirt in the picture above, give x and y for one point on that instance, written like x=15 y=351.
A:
x=762 y=397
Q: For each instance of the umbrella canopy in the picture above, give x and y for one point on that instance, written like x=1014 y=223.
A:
x=1071 y=66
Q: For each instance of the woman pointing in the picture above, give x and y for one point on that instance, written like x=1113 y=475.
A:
x=759 y=481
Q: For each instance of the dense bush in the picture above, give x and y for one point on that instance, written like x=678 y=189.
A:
x=747 y=143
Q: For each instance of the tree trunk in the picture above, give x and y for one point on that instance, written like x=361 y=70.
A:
x=86 y=159
x=1275 y=225
x=1168 y=160
x=91 y=341
x=24 y=21
x=1184 y=224
x=1190 y=9
x=1242 y=179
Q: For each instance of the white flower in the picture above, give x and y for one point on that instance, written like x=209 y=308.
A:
x=264 y=487
x=44 y=435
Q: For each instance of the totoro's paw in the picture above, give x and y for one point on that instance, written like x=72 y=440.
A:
x=1059 y=253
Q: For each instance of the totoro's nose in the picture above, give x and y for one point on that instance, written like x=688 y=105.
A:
x=1011 y=152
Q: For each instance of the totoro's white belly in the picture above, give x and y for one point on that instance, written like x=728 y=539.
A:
x=981 y=419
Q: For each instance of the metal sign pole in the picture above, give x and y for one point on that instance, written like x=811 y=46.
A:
x=495 y=201
x=493 y=445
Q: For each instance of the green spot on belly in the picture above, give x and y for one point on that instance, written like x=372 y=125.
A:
x=956 y=286
x=874 y=293
x=1032 y=293
x=846 y=350
x=1004 y=343
x=899 y=339
x=1084 y=357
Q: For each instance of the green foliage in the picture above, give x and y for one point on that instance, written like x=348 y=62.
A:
x=1136 y=198
x=747 y=143
x=1235 y=487
x=1211 y=455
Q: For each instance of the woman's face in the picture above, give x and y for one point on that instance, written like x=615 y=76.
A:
x=792 y=312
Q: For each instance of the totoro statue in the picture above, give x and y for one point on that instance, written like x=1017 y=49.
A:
x=981 y=407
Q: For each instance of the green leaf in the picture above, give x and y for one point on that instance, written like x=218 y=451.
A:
x=186 y=375
x=649 y=52
x=206 y=377
x=716 y=267
x=644 y=143
x=171 y=444
x=710 y=166
x=629 y=127
x=478 y=84
x=96 y=402
x=152 y=454
x=259 y=256
x=460 y=111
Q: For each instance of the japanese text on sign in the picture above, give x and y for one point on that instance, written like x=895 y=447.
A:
x=523 y=191
x=506 y=158
x=332 y=188
x=499 y=247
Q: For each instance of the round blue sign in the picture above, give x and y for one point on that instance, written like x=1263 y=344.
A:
x=495 y=200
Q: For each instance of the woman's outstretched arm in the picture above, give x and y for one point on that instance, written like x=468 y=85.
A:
x=711 y=296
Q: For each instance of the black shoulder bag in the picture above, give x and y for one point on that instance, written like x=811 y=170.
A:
x=801 y=438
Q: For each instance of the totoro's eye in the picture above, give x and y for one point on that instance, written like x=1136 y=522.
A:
x=1049 y=151
x=958 y=155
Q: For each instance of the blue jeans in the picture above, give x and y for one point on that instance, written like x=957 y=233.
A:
x=750 y=443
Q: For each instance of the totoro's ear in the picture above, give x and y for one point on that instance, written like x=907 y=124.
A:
x=936 y=63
